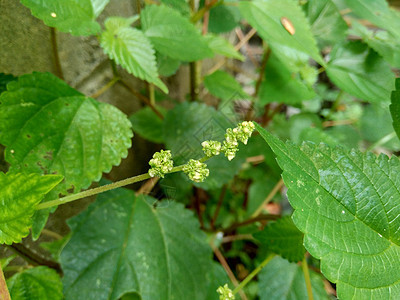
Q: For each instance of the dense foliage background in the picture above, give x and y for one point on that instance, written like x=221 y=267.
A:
x=91 y=89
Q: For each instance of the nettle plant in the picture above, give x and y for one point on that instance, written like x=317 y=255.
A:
x=325 y=82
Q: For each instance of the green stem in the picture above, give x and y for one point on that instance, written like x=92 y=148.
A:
x=382 y=141
x=104 y=188
x=53 y=35
x=4 y=294
x=254 y=273
x=105 y=88
x=151 y=94
x=306 y=272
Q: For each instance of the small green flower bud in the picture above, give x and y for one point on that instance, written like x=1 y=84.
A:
x=230 y=149
x=161 y=163
x=211 y=148
x=196 y=170
x=243 y=131
x=225 y=293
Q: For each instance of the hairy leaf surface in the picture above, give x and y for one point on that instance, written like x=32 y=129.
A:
x=122 y=244
x=19 y=194
x=347 y=204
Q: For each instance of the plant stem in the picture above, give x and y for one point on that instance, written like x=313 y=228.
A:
x=199 y=14
x=4 y=294
x=250 y=221
x=254 y=273
x=220 y=200
x=194 y=80
x=33 y=258
x=151 y=94
x=382 y=141
x=306 y=272
x=104 y=188
x=53 y=35
x=228 y=270
x=105 y=88
x=143 y=98
x=271 y=195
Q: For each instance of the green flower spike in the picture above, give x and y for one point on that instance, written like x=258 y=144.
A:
x=161 y=163
x=225 y=293
x=211 y=148
x=243 y=131
x=230 y=145
x=196 y=170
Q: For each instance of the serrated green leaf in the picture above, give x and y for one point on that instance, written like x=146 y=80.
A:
x=383 y=42
x=377 y=12
x=282 y=280
x=222 y=85
x=131 y=49
x=283 y=238
x=48 y=127
x=19 y=194
x=37 y=283
x=122 y=244
x=327 y=24
x=395 y=108
x=347 y=205
x=4 y=80
x=147 y=124
x=361 y=72
x=219 y=45
x=77 y=17
x=266 y=16
x=281 y=85
x=223 y=18
x=172 y=34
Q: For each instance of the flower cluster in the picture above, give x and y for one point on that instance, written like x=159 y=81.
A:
x=242 y=133
x=225 y=293
x=196 y=170
x=211 y=148
x=161 y=163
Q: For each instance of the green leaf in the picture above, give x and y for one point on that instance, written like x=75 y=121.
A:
x=223 y=18
x=173 y=35
x=383 y=42
x=377 y=12
x=37 y=283
x=147 y=124
x=327 y=24
x=361 y=72
x=48 y=127
x=19 y=194
x=219 y=45
x=265 y=16
x=283 y=238
x=122 y=244
x=77 y=17
x=282 y=280
x=4 y=80
x=347 y=205
x=131 y=49
x=55 y=247
x=166 y=65
x=179 y=5
x=4 y=262
x=222 y=85
x=281 y=85
x=395 y=108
